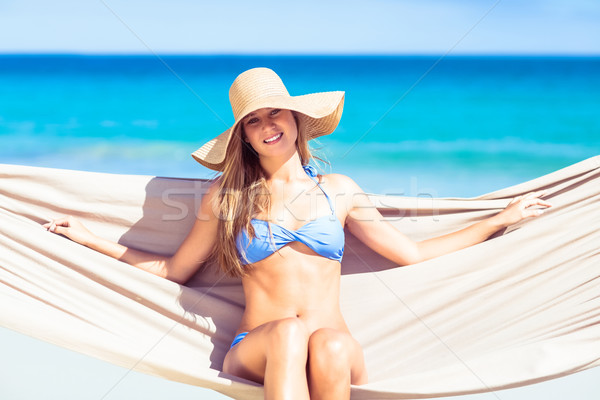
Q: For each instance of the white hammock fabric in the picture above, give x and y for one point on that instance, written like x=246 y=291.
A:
x=520 y=308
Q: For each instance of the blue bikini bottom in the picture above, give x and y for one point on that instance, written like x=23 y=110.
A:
x=238 y=339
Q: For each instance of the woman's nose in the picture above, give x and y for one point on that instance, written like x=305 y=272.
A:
x=267 y=125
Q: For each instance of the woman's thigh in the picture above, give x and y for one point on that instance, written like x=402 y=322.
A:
x=248 y=358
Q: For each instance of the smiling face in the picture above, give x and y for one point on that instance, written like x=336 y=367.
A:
x=271 y=131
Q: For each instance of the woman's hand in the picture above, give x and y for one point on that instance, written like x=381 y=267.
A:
x=72 y=228
x=522 y=207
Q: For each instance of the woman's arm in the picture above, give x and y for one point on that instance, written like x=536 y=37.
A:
x=368 y=225
x=518 y=209
x=195 y=249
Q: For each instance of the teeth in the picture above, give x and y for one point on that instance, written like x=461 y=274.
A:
x=273 y=138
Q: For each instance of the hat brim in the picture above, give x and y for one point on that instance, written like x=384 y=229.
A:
x=320 y=114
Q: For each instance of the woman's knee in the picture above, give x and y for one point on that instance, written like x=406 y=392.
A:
x=288 y=335
x=330 y=349
x=333 y=355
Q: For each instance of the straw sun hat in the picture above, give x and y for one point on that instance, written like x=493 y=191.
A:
x=318 y=113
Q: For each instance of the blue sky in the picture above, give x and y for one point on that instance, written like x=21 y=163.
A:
x=329 y=27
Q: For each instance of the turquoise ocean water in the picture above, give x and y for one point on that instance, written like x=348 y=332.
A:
x=459 y=126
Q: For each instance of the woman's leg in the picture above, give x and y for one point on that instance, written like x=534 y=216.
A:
x=335 y=360
x=274 y=354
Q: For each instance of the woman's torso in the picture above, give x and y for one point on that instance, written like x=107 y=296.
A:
x=295 y=281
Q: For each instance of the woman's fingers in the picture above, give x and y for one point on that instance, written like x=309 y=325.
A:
x=515 y=199
x=59 y=222
x=71 y=228
x=542 y=203
x=62 y=221
x=530 y=206
x=533 y=212
x=532 y=195
x=61 y=230
x=530 y=199
x=534 y=201
x=525 y=196
x=50 y=226
x=525 y=206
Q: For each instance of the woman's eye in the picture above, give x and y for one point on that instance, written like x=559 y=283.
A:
x=275 y=111
x=251 y=121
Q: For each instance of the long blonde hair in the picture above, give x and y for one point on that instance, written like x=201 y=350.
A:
x=243 y=194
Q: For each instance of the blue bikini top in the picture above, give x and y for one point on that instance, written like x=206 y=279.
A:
x=324 y=235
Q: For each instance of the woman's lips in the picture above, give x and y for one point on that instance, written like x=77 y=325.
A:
x=274 y=138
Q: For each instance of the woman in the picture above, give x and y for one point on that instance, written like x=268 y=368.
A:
x=271 y=220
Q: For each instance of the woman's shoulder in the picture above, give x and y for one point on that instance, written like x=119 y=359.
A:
x=210 y=191
x=209 y=203
x=341 y=183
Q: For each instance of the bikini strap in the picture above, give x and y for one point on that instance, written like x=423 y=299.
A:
x=312 y=172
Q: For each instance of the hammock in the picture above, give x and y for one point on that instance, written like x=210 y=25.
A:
x=520 y=308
